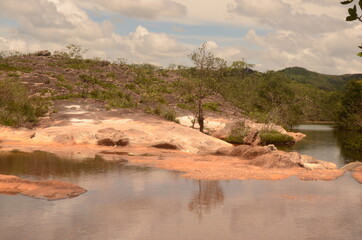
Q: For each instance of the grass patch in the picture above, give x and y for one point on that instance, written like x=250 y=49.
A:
x=275 y=137
x=16 y=108
x=4 y=66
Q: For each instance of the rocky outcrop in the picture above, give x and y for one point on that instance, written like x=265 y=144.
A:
x=352 y=166
x=357 y=174
x=270 y=157
x=51 y=190
x=356 y=168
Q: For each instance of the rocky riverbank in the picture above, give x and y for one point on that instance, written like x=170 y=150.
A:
x=81 y=131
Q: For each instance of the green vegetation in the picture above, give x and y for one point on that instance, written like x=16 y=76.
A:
x=287 y=97
x=237 y=134
x=275 y=137
x=354 y=144
x=8 y=67
x=17 y=109
x=350 y=111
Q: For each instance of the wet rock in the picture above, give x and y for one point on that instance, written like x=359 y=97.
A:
x=351 y=166
x=165 y=145
x=276 y=159
x=357 y=174
x=51 y=190
x=297 y=136
x=312 y=166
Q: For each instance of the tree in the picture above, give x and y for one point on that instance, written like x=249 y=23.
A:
x=277 y=101
x=350 y=113
x=207 y=69
x=354 y=14
x=241 y=67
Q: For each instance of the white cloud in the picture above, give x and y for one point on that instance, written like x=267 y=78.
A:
x=281 y=33
x=143 y=9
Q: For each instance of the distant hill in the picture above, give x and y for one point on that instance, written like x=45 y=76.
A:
x=322 y=81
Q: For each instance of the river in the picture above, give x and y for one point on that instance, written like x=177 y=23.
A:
x=128 y=203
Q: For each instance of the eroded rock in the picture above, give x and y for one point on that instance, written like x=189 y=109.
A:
x=51 y=190
x=357 y=174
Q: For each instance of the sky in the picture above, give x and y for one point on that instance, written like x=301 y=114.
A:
x=272 y=34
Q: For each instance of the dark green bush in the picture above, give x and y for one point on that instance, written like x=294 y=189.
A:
x=275 y=137
x=354 y=144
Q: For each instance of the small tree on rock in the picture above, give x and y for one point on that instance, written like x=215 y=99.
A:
x=208 y=69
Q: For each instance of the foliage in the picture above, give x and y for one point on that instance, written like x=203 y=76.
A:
x=211 y=106
x=237 y=134
x=72 y=51
x=275 y=137
x=350 y=112
x=354 y=14
x=17 y=108
x=207 y=69
x=8 y=67
x=354 y=144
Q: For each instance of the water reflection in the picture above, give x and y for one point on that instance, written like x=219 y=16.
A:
x=137 y=204
x=43 y=165
x=325 y=142
x=208 y=196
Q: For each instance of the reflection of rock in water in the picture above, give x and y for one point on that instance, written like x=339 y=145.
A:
x=209 y=195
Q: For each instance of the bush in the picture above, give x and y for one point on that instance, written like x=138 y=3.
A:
x=170 y=115
x=16 y=108
x=237 y=134
x=275 y=137
x=211 y=106
x=354 y=144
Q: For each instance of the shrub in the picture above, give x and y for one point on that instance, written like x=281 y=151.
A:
x=237 y=134
x=16 y=108
x=211 y=106
x=275 y=137
x=354 y=144
x=170 y=115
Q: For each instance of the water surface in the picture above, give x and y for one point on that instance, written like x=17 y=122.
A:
x=325 y=142
x=127 y=203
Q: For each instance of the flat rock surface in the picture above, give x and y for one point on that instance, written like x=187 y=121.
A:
x=83 y=123
x=50 y=190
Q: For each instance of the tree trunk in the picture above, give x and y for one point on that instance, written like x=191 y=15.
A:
x=200 y=117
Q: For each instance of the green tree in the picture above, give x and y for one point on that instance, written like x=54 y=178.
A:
x=354 y=14
x=350 y=112
x=276 y=100
x=207 y=69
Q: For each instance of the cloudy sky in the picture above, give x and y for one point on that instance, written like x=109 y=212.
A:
x=273 y=34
